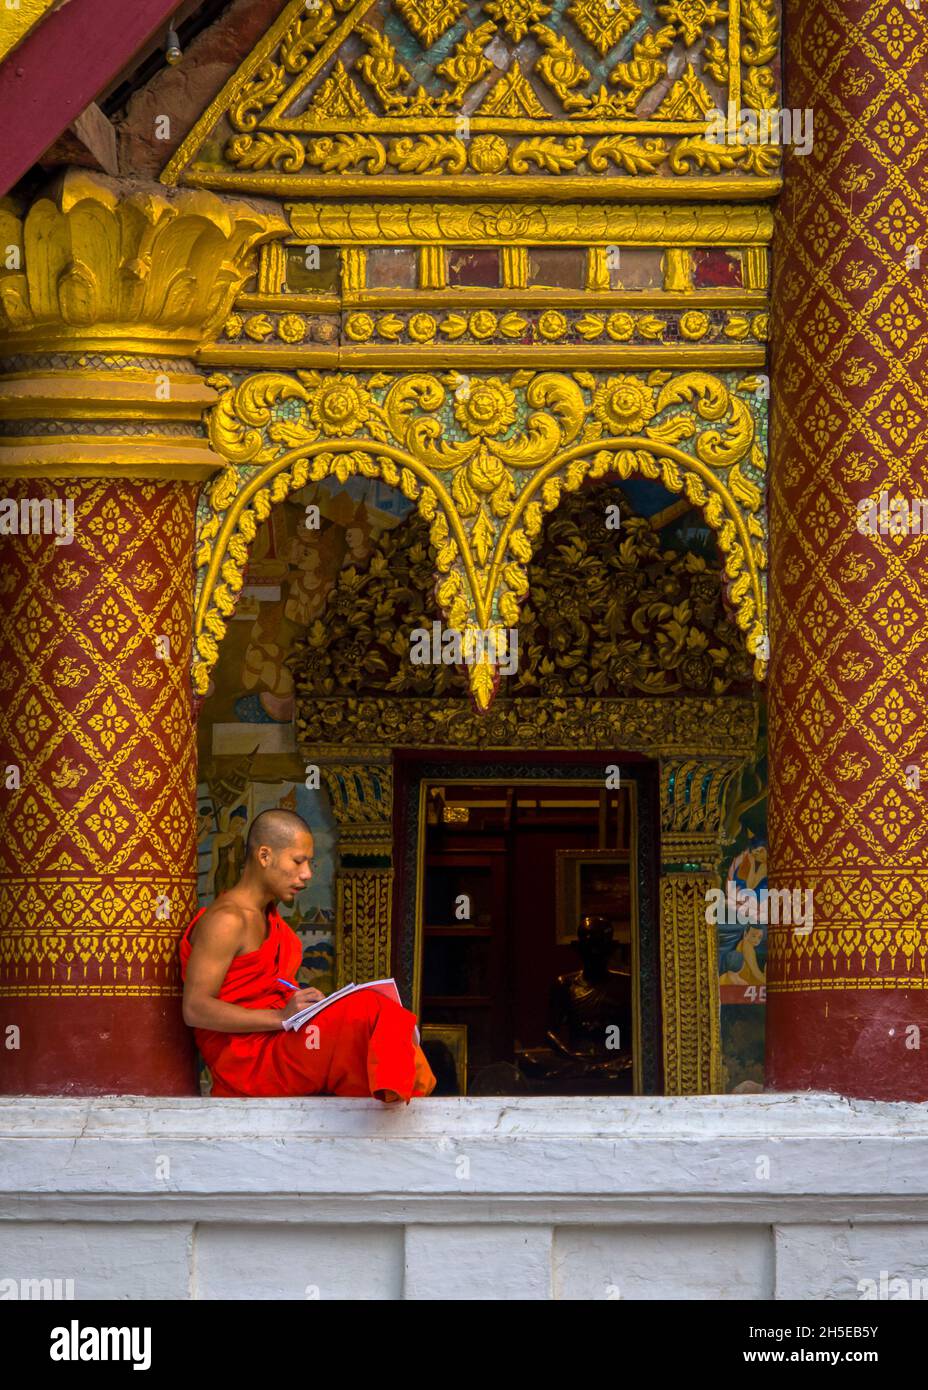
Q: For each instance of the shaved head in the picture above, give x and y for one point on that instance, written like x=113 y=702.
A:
x=276 y=829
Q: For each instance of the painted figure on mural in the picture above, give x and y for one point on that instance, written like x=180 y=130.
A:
x=743 y=944
x=229 y=849
x=358 y=537
x=314 y=554
x=263 y=668
x=741 y=958
x=309 y=584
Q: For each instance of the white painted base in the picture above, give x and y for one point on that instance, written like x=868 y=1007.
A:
x=710 y=1197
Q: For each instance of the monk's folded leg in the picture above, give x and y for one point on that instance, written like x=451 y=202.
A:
x=360 y=1046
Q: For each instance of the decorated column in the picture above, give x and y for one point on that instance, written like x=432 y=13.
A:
x=848 y=994
x=361 y=795
x=104 y=297
x=693 y=798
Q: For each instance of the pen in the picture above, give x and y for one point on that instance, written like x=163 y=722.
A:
x=288 y=983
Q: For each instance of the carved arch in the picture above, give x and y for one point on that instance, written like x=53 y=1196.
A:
x=508 y=449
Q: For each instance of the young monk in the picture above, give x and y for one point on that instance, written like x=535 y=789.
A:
x=234 y=955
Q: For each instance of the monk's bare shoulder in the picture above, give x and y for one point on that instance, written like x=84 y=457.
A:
x=223 y=925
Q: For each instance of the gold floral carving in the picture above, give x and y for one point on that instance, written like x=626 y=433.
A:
x=647 y=622
x=654 y=726
x=307 y=103
x=108 y=287
x=561 y=69
x=693 y=801
x=688 y=98
x=690 y=17
x=646 y=619
x=484 y=458
x=690 y=1023
x=429 y=19
x=604 y=22
x=550 y=326
x=531 y=224
x=363 y=899
x=755 y=88
x=359 y=782
x=517 y=16
x=760 y=28
x=361 y=797
x=644 y=70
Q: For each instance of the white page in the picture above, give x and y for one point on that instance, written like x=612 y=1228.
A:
x=311 y=1010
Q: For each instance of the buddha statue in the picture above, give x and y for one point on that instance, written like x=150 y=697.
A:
x=590 y=1014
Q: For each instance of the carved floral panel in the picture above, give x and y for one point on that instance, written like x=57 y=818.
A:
x=421 y=95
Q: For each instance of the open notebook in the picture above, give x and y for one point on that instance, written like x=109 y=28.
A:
x=386 y=987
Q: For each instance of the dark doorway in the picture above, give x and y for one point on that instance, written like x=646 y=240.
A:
x=496 y=867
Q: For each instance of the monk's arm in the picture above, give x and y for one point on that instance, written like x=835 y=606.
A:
x=216 y=942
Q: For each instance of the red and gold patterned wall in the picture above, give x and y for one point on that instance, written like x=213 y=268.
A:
x=97 y=861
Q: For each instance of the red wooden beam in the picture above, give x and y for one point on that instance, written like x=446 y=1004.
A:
x=61 y=67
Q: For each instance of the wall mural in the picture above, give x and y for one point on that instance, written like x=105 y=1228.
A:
x=743 y=944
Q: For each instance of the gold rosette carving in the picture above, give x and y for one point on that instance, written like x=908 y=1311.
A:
x=484 y=458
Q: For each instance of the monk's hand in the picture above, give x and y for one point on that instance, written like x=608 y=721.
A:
x=301 y=999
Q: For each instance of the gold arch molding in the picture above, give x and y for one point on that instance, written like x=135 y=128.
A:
x=484 y=458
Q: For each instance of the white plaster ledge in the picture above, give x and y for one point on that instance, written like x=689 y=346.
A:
x=646 y=1158
x=713 y=1197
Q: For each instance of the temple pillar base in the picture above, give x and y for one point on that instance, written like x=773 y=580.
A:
x=97 y=1047
x=866 y=1044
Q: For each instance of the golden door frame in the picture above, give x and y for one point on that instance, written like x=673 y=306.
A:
x=574 y=780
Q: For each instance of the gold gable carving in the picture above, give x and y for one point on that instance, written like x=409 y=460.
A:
x=648 y=620
x=338 y=96
x=402 y=96
x=482 y=483
x=513 y=96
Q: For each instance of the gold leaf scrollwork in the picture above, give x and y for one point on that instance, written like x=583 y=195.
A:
x=648 y=619
x=484 y=459
x=320 y=78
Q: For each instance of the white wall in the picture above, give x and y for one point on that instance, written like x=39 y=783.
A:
x=715 y=1197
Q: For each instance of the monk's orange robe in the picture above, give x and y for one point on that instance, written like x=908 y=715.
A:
x=365 y=1041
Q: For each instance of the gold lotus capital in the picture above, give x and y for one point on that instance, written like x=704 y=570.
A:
x=99 y=265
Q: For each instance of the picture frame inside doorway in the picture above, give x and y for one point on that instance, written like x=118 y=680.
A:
x=453 y=1038
x=594 y=883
